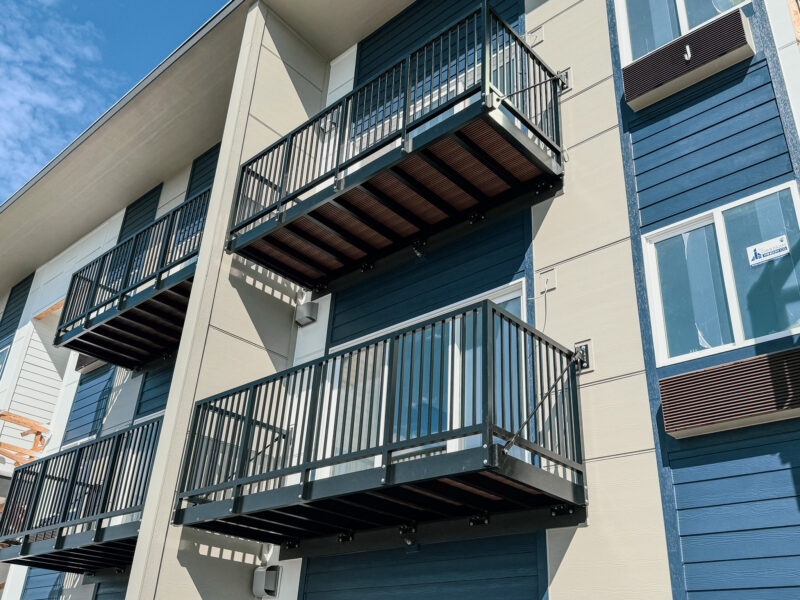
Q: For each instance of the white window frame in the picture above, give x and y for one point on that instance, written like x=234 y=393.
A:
x=624 y=32
x=515 y=289
x=713 y=216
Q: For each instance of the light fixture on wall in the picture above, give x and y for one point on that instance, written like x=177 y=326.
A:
x=266 y=580
x=306 y=313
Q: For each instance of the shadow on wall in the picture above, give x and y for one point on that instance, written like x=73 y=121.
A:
x=558 y=542
x=263 y=295
x=219 y=566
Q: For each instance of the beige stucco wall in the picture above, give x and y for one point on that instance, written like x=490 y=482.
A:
x=583 y=235
x=239 y=325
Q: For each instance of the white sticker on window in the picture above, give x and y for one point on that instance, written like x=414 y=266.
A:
x=768 y=250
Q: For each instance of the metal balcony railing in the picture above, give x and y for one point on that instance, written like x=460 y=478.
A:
x=80 y=488
x=139 y=261
x=478 y=56
x=467 y=379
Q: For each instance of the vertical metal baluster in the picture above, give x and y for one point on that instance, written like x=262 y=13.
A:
x=391 y=398
x=311 y=432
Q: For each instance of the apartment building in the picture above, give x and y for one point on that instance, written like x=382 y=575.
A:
x=710 y=153
x=365 y=299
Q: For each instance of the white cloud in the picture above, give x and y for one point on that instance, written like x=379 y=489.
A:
x=52 y=86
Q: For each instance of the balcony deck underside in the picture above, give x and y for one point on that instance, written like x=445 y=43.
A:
x=85 y=552
x=432 y=489
x=142 y=328
x=454 y=171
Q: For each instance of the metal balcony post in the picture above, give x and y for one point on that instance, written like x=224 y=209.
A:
x=95 y=284
x=126 y=275
x=317 y=381
x=406 y=106
x=391 y=385
x=340 y=141
x=287 y=155
x=162 y=257
x=487 y=376
x=487 y=54
x=34 y=502
x=244 y=444
x=105 y=493
x=70 y=485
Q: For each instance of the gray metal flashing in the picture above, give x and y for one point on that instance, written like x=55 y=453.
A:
x=198 y=35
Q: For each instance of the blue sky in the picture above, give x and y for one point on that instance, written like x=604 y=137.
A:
x=64 y=62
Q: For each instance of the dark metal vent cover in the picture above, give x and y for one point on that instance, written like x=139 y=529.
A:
x=711 y=48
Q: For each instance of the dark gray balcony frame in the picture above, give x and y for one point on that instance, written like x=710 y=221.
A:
x=238 y=481
x=58 y=508
x=127 y=306
x=403 y=112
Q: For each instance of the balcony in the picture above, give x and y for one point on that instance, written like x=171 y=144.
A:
x=79 y=510
x=127 y=306
x=464 y=124
x=471 y=416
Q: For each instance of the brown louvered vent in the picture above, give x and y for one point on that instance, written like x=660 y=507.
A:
x=711 y=48
x=755 y=390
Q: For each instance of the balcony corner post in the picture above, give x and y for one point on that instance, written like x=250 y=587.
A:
x=388 y=420
x=338 y=177
x=287 y=156
x=244 y=441
x=487 y=55
x=162 y=257
x=105 y=494
x=487 y=376
x=404 y=141
x=37 y=490
x=93 y=291
x=317 y=381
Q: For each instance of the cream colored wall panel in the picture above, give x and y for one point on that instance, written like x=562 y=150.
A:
x=174 y=191
x=587 y=114
x=51 y=281
x=229 y=362
x=204 y=565
x=616 y=417
x=283 y=98
x=621 y=554
x=254 y=304
x=257 y=138
x=591 y=211
x=577 y=39
x=285 y=43
x=311 y=339
x=595 y=299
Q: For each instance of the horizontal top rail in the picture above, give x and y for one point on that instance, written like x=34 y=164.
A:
x=96 y=480
x=477 y=370
x=139 y=259
x=476 y=54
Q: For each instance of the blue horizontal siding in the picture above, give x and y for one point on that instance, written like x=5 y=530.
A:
x=155 y=388
x=713 y=143
x=140 y=213
x=502 y=567
x=486 y=258
x=738 y=507
x=203 y=169
x=12 y=311
x=89 y=405
x=414 y=26
x=41 y=584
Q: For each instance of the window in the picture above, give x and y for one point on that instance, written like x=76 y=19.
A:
x=653 y=23
x=727 y=278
